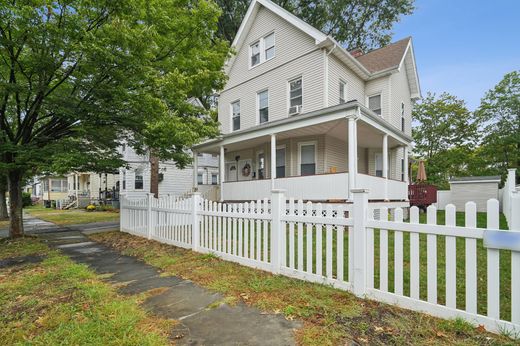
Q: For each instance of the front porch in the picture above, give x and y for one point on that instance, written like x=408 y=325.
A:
x=309 y=158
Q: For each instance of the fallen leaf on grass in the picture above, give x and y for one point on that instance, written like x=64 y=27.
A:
x=440 y=334
x=481 y=328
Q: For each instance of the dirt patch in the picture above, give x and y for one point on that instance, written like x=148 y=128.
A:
x=16 y=261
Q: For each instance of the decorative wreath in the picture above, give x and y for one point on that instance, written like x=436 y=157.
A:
x=246 y=170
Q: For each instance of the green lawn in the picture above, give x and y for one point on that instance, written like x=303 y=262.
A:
x=330 y=316
x=58 y=302
x=71 y=217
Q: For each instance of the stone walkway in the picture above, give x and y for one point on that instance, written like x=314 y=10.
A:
x=202 y=321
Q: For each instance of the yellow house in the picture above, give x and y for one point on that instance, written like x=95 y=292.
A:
x=54 y=188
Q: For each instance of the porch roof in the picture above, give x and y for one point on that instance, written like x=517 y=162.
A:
x=343 y=111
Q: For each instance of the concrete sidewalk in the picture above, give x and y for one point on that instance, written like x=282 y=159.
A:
x=203 y=320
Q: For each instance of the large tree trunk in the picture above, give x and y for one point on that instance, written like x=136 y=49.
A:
x=154 y=175
x=15 y=204
x=3 y=194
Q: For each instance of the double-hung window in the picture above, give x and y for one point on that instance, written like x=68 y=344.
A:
x=280 y=162
x=262 y=50
x=263 y=106
x=402 y=117
x=342 y=91
x=199 y=179
x=235 y=116
x=138 y=181
x=307 y=158
x=269 y=47
x=374 y=104
x=214 y=179
x=255 y=53
x=295 y=95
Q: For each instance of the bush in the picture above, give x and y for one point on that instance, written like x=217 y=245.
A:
x=104 y=208
x=91 y=207
x=26 y=199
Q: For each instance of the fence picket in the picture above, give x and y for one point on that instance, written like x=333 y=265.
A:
x=471 y=260
x=291 y=234
x=398 y=255
x=328 y=245
x=493 y=264
x=246 y=229
x=300 y=237
x=258 y=232
x=309 y=227
x=414 y=255
x=370 y=253
x=266 y=230
x=252 y=231
x=431 y=255
x=319 y=243
x=383 y=252
x=451 y=262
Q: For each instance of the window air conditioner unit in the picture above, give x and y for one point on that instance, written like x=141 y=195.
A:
x=294 y=110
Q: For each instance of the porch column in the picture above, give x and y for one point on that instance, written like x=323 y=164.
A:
x=405 y=157
x=273 y=160
x=352 y=145
x=221 y=173
x=385 y=163
x=195 y=170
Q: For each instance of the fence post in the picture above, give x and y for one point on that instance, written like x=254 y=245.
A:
x=122 y=216
x=277 y=208
x=359 y=257
x=149 y=215
x=195 y=237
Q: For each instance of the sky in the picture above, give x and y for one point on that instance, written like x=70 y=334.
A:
x=463 y=47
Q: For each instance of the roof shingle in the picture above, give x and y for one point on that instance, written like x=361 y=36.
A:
x=384 y=58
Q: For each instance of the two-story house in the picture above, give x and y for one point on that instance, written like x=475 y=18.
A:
x=301 y=113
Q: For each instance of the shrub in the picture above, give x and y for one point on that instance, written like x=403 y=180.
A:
x=91 y=207
x=104 y=208
x=26 y=199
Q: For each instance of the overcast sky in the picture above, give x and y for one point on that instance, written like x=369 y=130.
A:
x=463 y=47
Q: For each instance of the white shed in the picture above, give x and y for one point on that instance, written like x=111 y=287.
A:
x=476 y=189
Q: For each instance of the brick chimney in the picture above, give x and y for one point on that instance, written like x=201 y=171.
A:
x=356 y=52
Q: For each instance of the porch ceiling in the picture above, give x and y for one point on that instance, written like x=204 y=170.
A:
x=368 y=136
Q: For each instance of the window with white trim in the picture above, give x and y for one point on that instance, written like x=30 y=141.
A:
x=214 y=179
x=342 y=91
x=138 y=181
x=255 y=53
x=262 y=50
x=235 y=115
x=199 y=179
x=269 y=46
x=280 y=162
x=374 y=103
x=263 y=106
x=402 y=169
x=307 y=158
x=295 y=95
x=402 y=117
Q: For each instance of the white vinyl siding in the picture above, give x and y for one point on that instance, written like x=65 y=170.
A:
x=401 y=94
x=342 y=91
x=339 y=72
x=380 y=86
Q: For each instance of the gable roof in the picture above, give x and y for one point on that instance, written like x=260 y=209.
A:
x=385 y=58
x=367 y=66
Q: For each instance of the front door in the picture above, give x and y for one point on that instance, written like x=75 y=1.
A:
x=231 y=171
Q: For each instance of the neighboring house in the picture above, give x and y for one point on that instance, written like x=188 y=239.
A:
x=90 y=188
x=49 y=189
x=172 y=180
x=302 y=114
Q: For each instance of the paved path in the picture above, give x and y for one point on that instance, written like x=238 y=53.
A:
x=202 y=321
x=33 y=225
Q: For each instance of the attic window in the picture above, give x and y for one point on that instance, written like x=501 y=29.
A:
x=255 y=53
x=262 y=50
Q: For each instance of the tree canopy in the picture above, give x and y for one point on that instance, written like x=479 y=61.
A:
x=364 y=24
x=77 y=77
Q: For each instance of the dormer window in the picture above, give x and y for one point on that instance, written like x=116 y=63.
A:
x=262 y=50
x=255 y=53
x=374 y=103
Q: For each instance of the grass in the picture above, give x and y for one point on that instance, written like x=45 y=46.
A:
x=58 y=302
x=330 y=316
x=71 y=217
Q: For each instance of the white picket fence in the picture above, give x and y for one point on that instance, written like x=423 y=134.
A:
x=428 y=267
